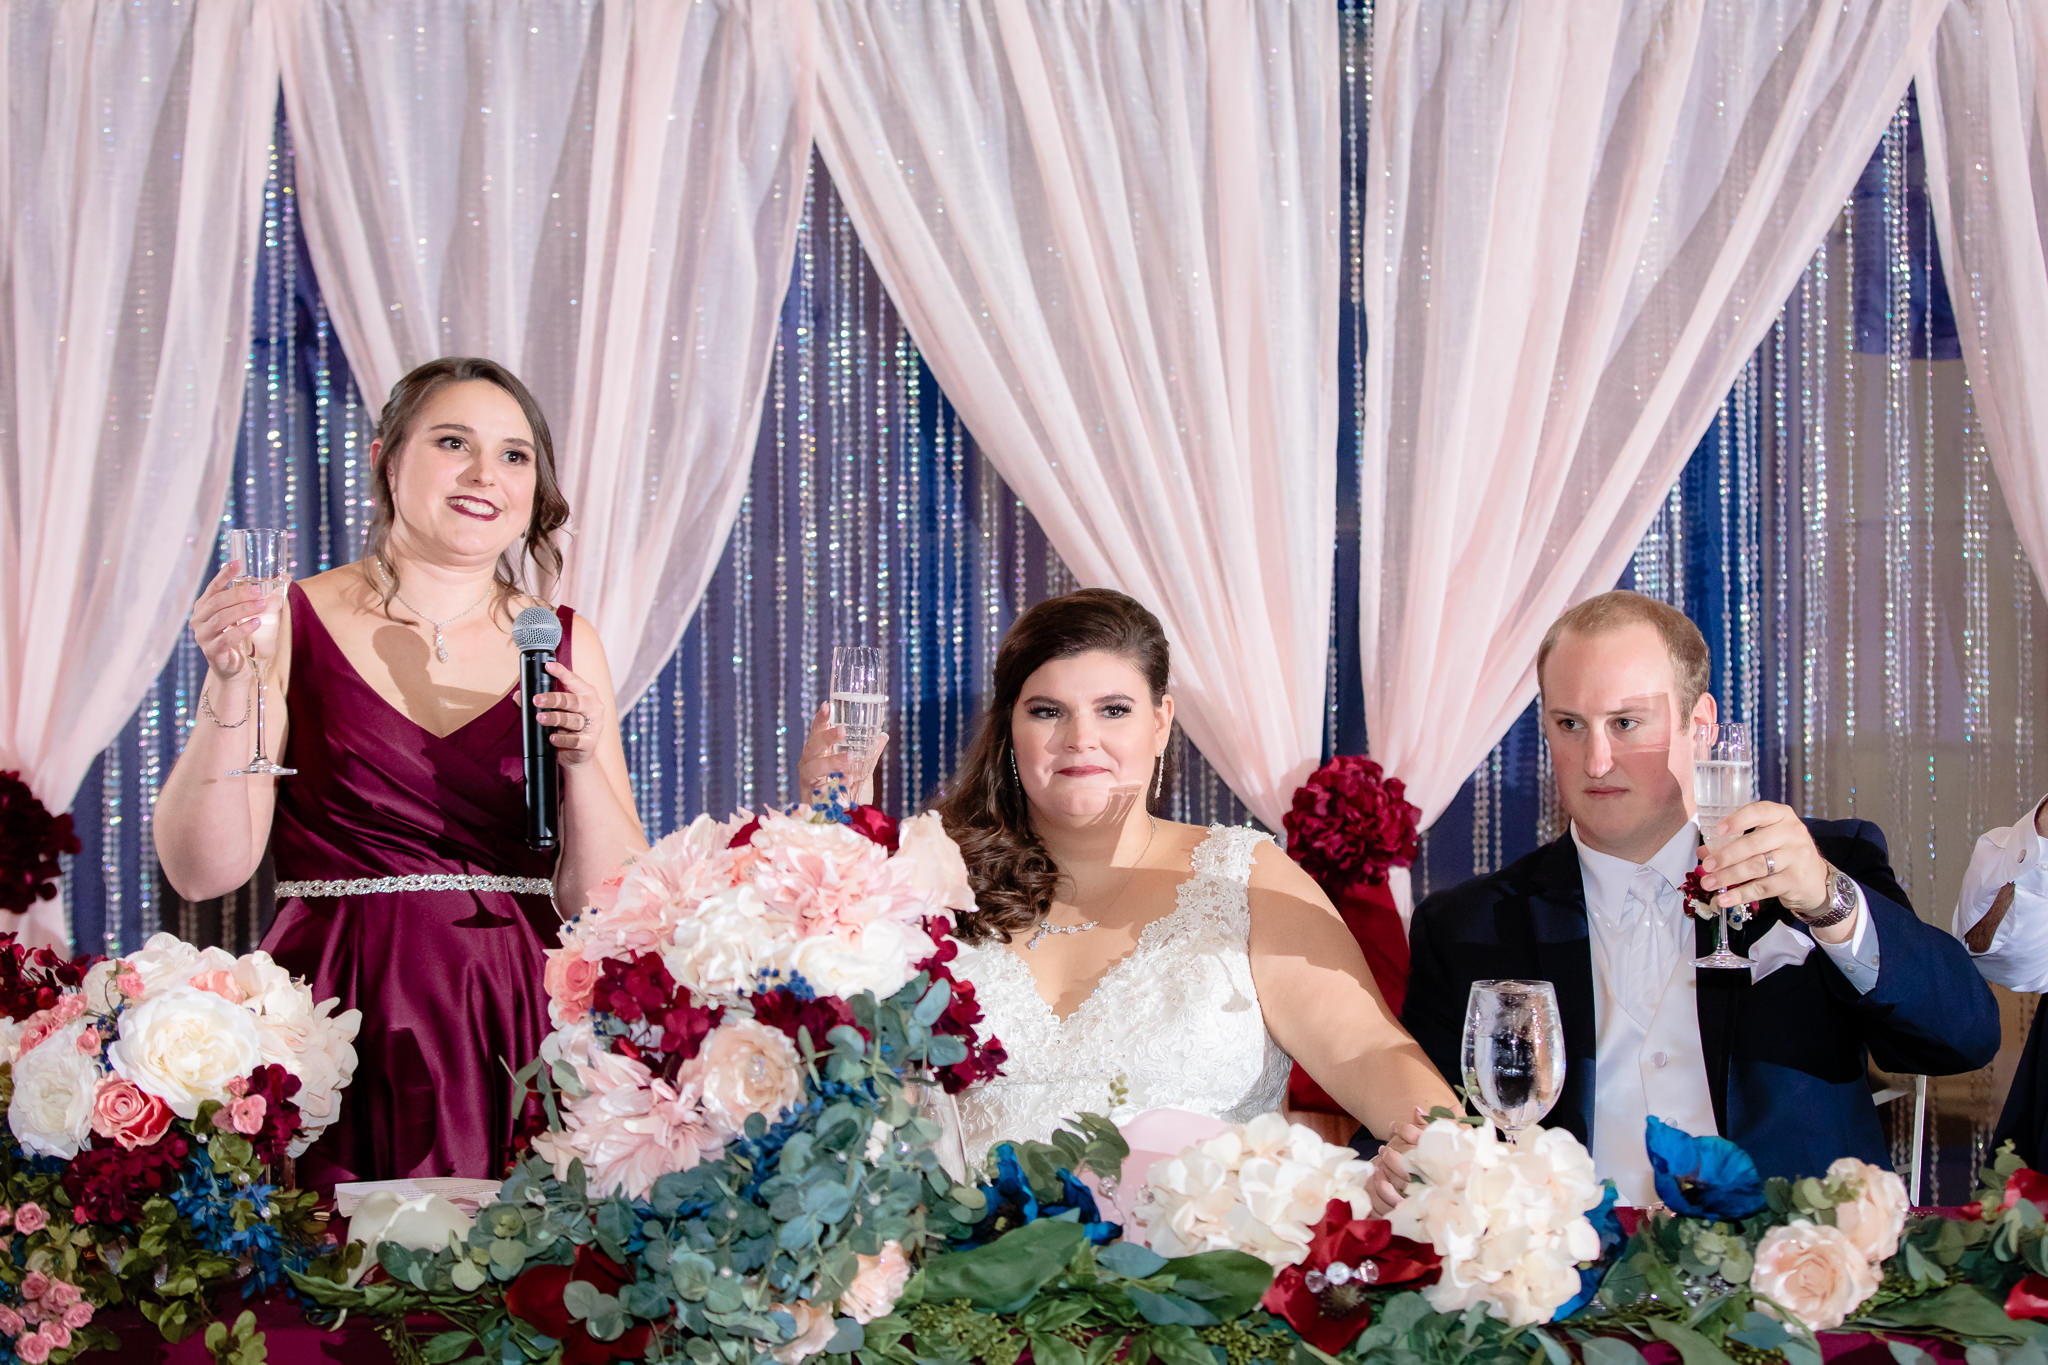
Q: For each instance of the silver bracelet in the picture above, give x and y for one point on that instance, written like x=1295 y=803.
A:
x=206 y=709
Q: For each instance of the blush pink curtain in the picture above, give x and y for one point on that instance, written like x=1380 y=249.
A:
x=134 y=140
x=1112 y=228
x=1984 y=116
x=604 y=197
x=1582 y=220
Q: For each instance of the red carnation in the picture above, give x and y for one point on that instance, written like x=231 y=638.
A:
x=536 y=1297
x=281 y=1122
x=1351 y=823
x=783 y=1009
x=1332 y=1317
x=30 y=841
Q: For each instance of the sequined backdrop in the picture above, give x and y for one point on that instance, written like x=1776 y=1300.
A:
x=1837 y=534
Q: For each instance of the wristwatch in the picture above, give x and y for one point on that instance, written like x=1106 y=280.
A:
x=1841 y=901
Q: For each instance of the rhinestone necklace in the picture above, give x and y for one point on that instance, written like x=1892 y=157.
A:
x=1046 y=927
x=440 y=644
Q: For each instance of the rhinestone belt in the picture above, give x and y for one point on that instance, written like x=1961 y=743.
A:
x=419 y=881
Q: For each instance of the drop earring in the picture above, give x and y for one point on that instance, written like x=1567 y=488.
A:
x=1159 y=778
x=1013 y=767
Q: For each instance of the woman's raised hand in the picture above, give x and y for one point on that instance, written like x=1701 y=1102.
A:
x=226 y=620
x=824 y=758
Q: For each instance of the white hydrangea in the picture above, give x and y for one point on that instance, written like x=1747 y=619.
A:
x=1259 y=1187
x=1509 y=1220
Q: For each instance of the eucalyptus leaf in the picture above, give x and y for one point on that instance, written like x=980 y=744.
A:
x=467 y=1276
x=1610 y=1351
x=1906 y=1353
x=1130 y=1260
x=580 y=1297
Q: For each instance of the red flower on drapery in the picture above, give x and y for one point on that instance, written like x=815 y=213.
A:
x=30 y=841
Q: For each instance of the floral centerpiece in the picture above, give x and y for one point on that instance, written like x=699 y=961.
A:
x=735 y=1163
x=150 y=1102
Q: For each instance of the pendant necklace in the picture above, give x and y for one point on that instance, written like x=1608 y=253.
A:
x=440 y=645
x=1045 y=926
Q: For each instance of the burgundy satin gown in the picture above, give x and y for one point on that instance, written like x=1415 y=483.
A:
x=449 y=982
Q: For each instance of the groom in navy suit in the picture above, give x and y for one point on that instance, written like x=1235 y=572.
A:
x=1772 y=1056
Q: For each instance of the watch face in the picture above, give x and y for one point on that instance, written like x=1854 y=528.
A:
x=1841 y=891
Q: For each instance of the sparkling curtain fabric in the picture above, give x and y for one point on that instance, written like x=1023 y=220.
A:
x=1113 y=230
x=1583 y=220
x=132 y=155
x=603 y=196
x=1984 y=113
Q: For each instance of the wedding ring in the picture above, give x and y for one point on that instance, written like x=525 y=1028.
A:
x=1770 y=866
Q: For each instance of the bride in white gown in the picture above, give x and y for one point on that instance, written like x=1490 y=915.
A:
x=1128 y=962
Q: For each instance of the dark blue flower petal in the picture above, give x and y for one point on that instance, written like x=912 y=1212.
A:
x=1704 y=1177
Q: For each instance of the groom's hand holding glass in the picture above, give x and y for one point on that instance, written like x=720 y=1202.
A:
x=1771 y=855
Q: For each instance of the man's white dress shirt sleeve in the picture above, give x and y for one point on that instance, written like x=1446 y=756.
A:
x=2012 y=856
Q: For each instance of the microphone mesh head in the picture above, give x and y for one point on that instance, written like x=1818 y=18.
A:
x=536 y=628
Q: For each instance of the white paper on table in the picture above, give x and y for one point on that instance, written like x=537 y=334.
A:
x=465 y=1193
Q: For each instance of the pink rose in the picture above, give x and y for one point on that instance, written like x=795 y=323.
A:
x=43 y=1023
x=1814 y=1272
x=34 y=1348
x=570 y=981
x=78 y=1315
x=31 y=1218
x=246 y=1114
x=10 y=1322
x=59 y=1335
x=32 y=1312
x=36 y=1284
x=1871 y=1208
x=747 y=1068
x=129 y=982
x=123 y=1112
x=63 y=1294
x=876 y=1285
x=222 y=983
x=814 y=1329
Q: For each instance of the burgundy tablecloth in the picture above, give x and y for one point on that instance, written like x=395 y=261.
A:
x=290 y=1338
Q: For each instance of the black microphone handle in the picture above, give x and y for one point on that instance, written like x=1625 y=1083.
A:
x=541 y=774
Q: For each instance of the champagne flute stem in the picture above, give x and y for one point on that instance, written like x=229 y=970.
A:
x=257 y=664
x=1724 y=950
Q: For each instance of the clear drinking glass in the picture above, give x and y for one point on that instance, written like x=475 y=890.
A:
x=860 y=702
x=1513 y=1052
x=264 y=554
x=1723 y=781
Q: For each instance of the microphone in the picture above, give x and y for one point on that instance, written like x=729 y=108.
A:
x=536 y=634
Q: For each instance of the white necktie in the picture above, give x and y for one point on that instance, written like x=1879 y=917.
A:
x=1642 y=953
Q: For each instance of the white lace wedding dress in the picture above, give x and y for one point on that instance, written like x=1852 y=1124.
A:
x=1175 y=1025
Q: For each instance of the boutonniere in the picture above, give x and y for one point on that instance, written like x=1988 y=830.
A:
x=1699 y=902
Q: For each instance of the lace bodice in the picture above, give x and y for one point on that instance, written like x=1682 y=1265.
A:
x=1175 y=1025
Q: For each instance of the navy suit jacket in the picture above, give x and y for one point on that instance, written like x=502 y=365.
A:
x=1785 y=1056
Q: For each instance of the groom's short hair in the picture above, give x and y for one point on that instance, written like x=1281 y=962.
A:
x=1691 y=664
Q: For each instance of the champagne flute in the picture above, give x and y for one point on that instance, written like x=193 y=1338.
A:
x=264 y=554
x=860 y=702
x=1723 y=782
x=1513 y=1052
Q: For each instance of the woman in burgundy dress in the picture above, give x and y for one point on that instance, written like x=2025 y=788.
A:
x=405 y=886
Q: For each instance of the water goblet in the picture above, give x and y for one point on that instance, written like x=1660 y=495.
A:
x=1513 y=1052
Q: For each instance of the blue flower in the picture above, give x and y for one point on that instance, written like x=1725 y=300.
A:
x=1704 y=1177
x=1012 y=1202
x=1608 y=1224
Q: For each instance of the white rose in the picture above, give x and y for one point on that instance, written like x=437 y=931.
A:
x=1875 y=1214
x=10 y=1038
x=937 y=871
x=879 y=956
x=428 y=1223
x=1812 y=1271
x=167 y=961
x=310 y=1041
x=722 y=948
x=53 y=1090
x=184 y=1046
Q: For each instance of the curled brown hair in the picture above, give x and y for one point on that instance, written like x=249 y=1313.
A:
x=550 y=508
x=1013 y=877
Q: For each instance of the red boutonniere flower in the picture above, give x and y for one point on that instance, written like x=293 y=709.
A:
x=1351 y=823
x=536 y=1297
x=1699 y=902
x=1328 y=1297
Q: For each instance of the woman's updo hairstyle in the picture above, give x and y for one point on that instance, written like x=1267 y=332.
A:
x=550 y=509
x=1013 y=877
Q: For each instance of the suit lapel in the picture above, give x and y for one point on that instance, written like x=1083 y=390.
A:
x=1564 y=957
